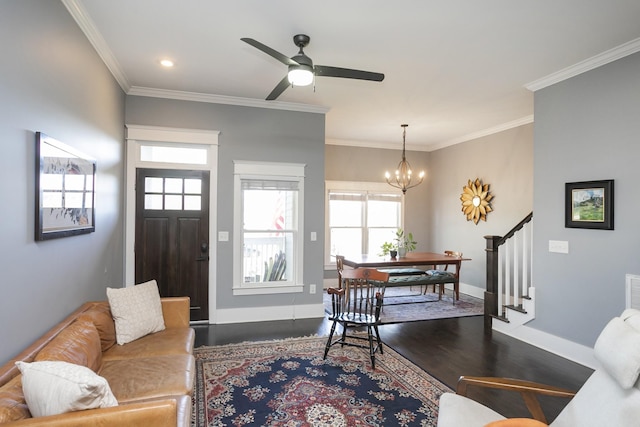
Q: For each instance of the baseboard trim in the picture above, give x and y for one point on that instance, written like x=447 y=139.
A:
x=562 y=347
x=471 y=290
x=467 y=289
x=265 y=314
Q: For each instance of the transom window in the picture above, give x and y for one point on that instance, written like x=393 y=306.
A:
x=360 y=217
x=172 y=154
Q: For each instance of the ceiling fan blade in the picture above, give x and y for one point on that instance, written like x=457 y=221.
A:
x=284 y=83
x=271 y=52
x=346 y=73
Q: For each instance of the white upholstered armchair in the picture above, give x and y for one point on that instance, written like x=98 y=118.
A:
x=610 y=397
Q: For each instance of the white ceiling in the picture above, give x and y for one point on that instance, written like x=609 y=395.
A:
x=454 y=69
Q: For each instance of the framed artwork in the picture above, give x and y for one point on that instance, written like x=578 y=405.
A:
x=65 y=180
x=589 y=204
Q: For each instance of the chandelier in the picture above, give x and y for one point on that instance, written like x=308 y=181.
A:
x=402 y=178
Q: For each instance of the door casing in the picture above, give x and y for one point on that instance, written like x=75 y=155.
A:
x=138 y=136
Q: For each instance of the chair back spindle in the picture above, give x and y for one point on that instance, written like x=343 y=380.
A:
x=339 y=268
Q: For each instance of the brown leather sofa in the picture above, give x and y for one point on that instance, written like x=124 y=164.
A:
x=152 y=377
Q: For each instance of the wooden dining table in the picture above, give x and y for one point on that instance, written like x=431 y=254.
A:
x=409 y=260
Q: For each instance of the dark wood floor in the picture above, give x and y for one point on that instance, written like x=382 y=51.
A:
x=444 y=348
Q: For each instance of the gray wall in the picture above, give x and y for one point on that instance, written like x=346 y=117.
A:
x=53 y=81
x=503 y=160
x=249 y=133
x=586 y=129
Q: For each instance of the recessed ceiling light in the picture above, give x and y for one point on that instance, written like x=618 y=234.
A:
x=166 y=63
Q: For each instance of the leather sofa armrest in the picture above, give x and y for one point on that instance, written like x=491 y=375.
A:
x=528 y=390
x=157 y=413
x=176 y=312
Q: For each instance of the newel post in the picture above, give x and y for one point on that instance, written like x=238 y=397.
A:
x=491 y=292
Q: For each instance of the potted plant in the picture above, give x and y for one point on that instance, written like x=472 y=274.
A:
x=388 y=248
x=404 y=242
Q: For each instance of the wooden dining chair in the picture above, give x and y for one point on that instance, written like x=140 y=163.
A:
x=357 y=303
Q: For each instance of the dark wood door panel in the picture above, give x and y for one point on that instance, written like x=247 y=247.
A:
x=172 y=240
x=192 y=266
x=153 y=241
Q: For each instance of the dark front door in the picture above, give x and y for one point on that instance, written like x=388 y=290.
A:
x=172 y=234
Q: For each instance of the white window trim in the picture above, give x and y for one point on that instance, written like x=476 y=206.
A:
x=267 y=170
x=329 y=186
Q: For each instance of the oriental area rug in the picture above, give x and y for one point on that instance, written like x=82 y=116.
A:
x=405 y=304
x=287 y=383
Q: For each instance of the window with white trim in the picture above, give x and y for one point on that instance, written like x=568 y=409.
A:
x=360 y=217
x=268 y=243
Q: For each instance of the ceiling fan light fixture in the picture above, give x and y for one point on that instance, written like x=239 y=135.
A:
x=300 y=76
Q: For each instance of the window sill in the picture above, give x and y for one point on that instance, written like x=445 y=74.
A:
x=267 y=289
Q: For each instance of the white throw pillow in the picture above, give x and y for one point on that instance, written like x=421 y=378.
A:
x=54 y=387
x=618 y=349
x=136 y=311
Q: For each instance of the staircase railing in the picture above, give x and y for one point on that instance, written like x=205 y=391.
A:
x=508 y=270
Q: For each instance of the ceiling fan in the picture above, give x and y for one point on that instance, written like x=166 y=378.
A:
x=301 y=68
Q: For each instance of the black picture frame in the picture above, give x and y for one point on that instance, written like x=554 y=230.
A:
x=589 y=204
x=65 y=190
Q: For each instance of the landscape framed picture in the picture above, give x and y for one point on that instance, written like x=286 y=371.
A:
x=589 y=204
x=65 y=180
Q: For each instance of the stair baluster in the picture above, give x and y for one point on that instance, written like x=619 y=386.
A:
x=508 y=270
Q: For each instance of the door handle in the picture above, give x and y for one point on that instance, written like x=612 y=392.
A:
x=204 y=248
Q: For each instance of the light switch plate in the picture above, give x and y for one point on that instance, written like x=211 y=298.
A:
x=223 y=236
x=559 y=246
x=314 y=236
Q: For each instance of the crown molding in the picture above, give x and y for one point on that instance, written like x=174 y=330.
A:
x=485 y=132
x=599 y=60
x=222 y=99
x=432 y=147
x=86 y=24
x=372 y=144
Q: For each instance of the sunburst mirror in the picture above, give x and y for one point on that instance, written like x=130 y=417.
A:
x=476 y=200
